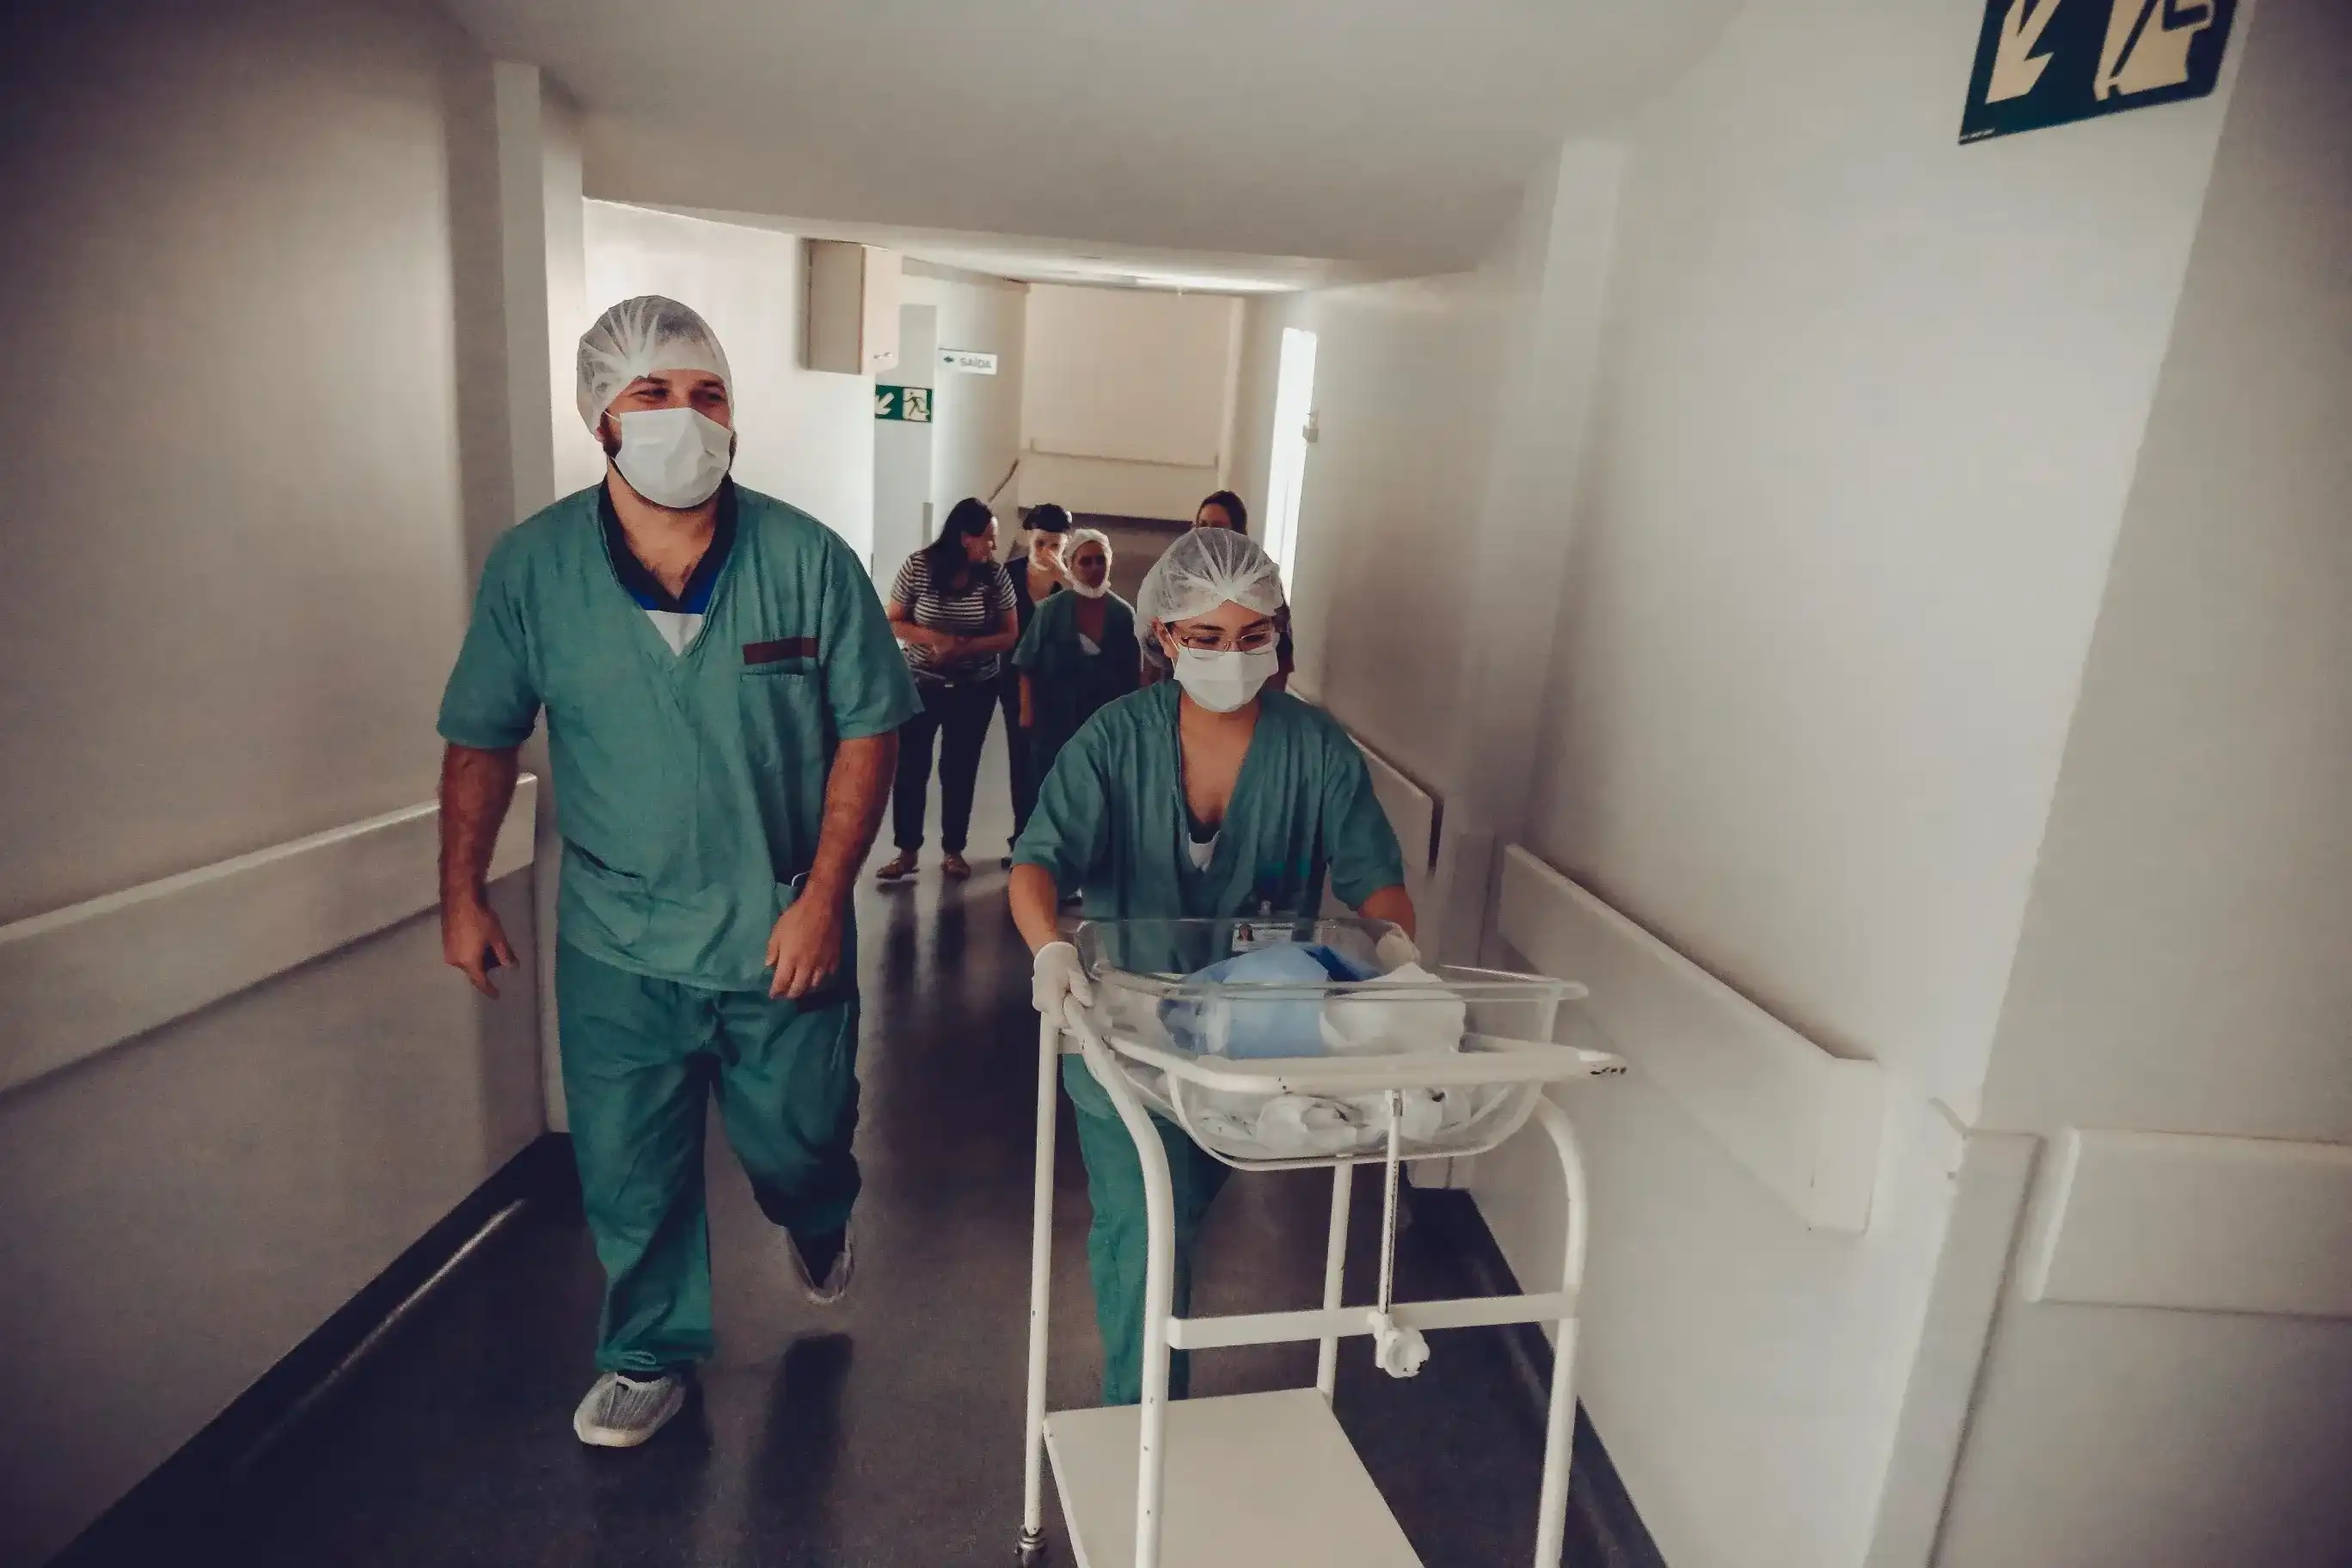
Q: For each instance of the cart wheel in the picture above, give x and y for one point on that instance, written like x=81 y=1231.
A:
x=1032 y=1550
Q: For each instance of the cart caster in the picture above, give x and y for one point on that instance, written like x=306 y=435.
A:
x=1032 y=1550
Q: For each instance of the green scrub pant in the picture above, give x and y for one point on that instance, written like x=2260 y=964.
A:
x=640 y=1058
x=1117 y=1248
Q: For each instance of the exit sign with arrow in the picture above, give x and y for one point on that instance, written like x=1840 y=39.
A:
x=2047 y=62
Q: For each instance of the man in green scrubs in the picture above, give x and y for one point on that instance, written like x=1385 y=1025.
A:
x=721 y=692
x=1207 y=797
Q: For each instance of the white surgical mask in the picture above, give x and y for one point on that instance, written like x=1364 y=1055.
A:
x=1223 y=683
x=1088 y=591
x=674 y=457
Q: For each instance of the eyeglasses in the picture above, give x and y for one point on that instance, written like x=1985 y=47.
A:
x=1258 y=639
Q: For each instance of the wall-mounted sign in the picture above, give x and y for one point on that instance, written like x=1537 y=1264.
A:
x=2047 y=62
x=973 y=360
x=911 y=403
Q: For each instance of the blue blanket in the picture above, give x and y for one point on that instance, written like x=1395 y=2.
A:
x=1261 y=1029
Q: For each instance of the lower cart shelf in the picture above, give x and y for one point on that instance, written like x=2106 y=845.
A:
x=1255 y=1481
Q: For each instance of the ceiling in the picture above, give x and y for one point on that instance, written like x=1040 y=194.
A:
x=1394 y=135
x=1031 y=258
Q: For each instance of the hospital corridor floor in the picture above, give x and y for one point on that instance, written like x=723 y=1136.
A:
x=886 y=1432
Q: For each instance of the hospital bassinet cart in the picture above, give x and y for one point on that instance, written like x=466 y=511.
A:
x=1444 y=1063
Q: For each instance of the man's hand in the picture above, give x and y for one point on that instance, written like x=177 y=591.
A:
x=475 y=787
x=804 y=949
x=473 y=941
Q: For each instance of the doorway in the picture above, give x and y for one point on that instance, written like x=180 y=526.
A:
x=1294 y=404
x=902 y=445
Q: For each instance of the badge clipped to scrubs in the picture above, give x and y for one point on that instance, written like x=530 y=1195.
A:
x=1251 y=935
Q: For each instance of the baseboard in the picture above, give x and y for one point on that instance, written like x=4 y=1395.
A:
x=161 y=1508
x=1604 y=1531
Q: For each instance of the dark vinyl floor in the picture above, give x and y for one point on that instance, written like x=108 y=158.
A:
x=885 y=1431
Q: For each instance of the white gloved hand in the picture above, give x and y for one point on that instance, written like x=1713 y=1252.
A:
x=1395 y=951
x=1057 y=979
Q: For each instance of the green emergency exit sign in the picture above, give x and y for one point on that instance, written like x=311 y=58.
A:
x=911 y=403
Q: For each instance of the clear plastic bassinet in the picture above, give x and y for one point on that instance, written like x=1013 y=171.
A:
x=1313 y=1066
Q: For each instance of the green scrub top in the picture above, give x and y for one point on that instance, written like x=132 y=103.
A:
x=1067 y=684
x=690 y=787
x=1111 y=818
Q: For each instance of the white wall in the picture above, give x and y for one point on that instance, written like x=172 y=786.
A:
x=573 y=465
x=1431 y=533
x=1870 y=407
x=183 y=725
x=1406 y=392
x=270 y=290
x=904 y=459
x=1256 y=369
x=578 y=464
x=1824 y=544
x=185 y=1209
x=1166 y=493
x=976 y=419
x=1873 y=405
x=2194 y=897
x=807 y=437
x=2183 y=967
x=1127 y=399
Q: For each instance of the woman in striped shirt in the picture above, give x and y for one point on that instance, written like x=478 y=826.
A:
x=953 y=611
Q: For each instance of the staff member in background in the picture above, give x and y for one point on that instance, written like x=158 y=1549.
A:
x=720 y=692
x=1223 y=508
x=1207 y=797
x=1079 y=654
x=1036 y=575
x=953 y=610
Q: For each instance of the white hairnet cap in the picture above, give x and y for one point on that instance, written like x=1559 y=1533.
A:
x=1079 y=536
x=637 y=337
x=1205 y=568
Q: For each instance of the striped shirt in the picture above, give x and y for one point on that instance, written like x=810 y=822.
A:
x=978 y=610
